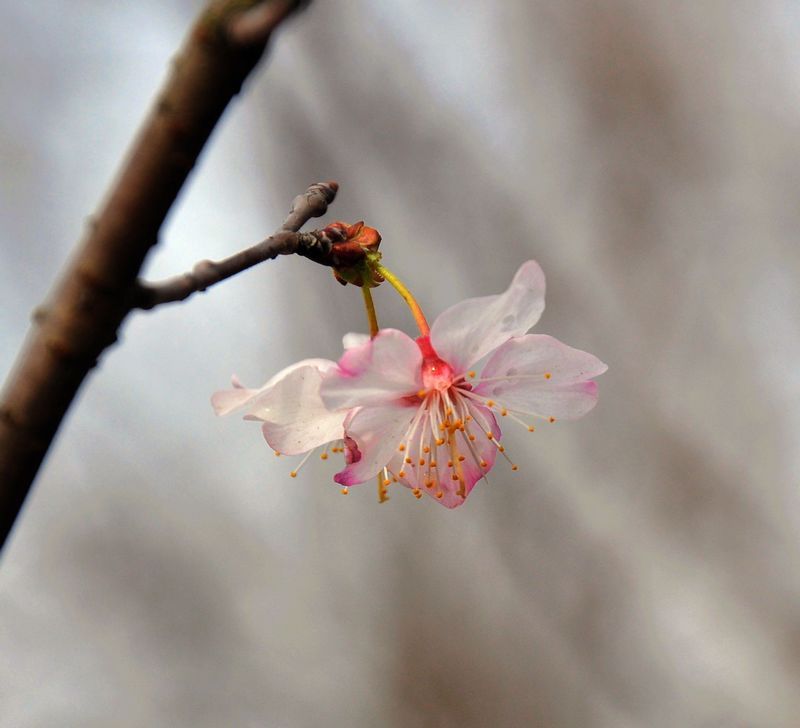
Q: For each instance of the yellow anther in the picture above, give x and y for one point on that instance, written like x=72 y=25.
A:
x=461 y=458
x=408 y=459
x=401 y=447
x=440 y=495
x=426 y=449
x=448 y=412
x=471 y=437
x=547 y=375
x=345 y=490
x=422 y=461
x=293 y=473
x=277 y=453
x=454 y=476
x=421 y=394
x=490 y=435
x=484 y=464
x=449 y=463
x=429 y=484
x=442 y=426
x=515 y=467
x=552 y=419
x=401 y=474
x=417 y=493
x=472 y=375
x=531 y=428
x=387 y=483
x=439 y=441
x=501 y=448
x=503 y=412
x=490 y=403
x=324 y=456
x=433 y=463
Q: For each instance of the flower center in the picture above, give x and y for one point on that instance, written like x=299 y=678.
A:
x=436 y=373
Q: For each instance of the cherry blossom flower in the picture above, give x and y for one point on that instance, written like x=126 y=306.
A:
x=418 y=413
x=295 y=420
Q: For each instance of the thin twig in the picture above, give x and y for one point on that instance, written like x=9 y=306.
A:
x=286 y=241
x=94 y=292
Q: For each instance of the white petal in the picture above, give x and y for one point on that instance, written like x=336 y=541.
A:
x=229 y=400
x=353 y=340
x=378 y=432
x=471 y=329
x=289 y=404
x=382 y=370
x=516 y=376
x=295 y=419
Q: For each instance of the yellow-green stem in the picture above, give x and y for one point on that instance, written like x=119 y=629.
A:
x=372 y=317
x=395 y=282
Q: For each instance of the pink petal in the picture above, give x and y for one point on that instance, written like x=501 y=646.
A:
x=405 y=466
x=470 y=470
x=381 y=370
x=377 y=432
x=289 y=404
x=469 y=330
x=516 y=377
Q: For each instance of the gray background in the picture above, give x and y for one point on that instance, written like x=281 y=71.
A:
x=642 y=567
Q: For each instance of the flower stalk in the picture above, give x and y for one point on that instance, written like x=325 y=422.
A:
x=407 y=296
x=372 y=317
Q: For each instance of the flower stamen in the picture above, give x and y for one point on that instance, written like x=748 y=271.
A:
x=294 y=472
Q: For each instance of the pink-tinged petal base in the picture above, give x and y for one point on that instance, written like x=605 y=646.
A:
x=379 y=371
x=376 y=433
x=541 y=376
x=424 y=448
x=479 y=458
x=469 y=330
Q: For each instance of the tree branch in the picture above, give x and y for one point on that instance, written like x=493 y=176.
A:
x=94 y=292
x=286 y=241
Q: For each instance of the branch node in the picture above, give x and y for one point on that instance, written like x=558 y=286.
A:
x=203 y=274
x=39 y=314
x=287 y=240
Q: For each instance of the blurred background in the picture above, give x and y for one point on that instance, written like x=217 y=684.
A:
x=642 y=567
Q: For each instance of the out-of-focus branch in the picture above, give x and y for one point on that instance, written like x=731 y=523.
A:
x=257 y=22
x=286 y=241
x=95 y=291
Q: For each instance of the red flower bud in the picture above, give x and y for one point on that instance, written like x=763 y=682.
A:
x=349 y=247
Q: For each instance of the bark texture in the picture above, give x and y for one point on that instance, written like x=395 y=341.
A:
x=97 y=288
